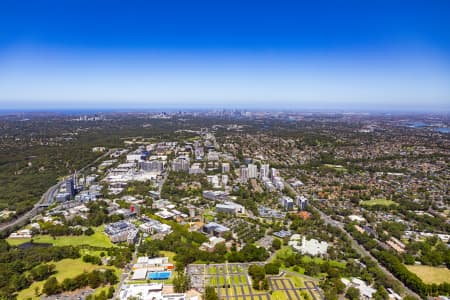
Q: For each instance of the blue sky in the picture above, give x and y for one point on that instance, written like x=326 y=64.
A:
x=343 y=55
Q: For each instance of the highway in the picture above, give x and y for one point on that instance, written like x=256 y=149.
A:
x=46 y=199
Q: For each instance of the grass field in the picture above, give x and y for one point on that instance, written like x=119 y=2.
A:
x=279 y=295
x=66 y=268
x=383 y=202
x=98 y=239
x=168 y=254
x=430 y=274
x=296 y=280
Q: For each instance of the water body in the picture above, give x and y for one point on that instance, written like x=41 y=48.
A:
x=417 y=125
x=443 y=129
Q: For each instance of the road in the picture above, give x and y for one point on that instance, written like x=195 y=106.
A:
x=360 y=249
x=46 y=199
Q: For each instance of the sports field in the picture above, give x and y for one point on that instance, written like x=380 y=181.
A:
x=382 y=202
x=430 y=274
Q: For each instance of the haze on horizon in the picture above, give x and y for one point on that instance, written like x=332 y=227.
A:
x=388 y=55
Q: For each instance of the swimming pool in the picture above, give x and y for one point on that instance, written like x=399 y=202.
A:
x=159 y=275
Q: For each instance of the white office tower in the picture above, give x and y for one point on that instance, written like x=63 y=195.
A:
x=265 y=169
x=225 y=167
x=243 y=173
x=274 y=173
x=224 y=180
x=252 y=171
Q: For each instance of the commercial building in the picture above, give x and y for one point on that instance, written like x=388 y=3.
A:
x=137 y=155
x=252 y=171
x=153 y=226
x=308 y=247
x=302 y=202
x=264 y=172
x=181 y=163
x=155 y=166
x=196 y=169
x=286 y=202
x=230 y=208
x=225 y=167
x=243 y=173
x=215 y=229
x=122 y=231
x=147 y=291
x=70 y=187
x=215 y=195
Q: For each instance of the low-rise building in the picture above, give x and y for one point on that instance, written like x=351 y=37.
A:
x=311 y=247
x=122 y=231
x=230 y=208
x=215 y=229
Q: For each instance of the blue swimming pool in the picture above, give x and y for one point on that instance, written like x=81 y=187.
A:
x=158 y=275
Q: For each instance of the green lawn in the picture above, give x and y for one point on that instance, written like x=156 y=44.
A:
x=98 y=239
x=319 y=260
x=383 y=202
x=168 y=254
x=430 y=274
x=297 y=280
x=284 y=252
x=279 y=295
x=66 y=268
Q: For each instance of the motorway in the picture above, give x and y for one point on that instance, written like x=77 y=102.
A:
x=46 y=199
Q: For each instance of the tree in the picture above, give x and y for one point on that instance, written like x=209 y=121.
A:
x=210 y=294
x=272 y=268
x=111 y=291
x=352 y=293
x=381 y=293
x=276 y=244
x=89 y=231
x=51 y=286
x=181 y=283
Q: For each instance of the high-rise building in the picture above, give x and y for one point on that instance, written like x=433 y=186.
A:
x=302 y=202
x=70 y=187
x=181 y=163
x=265 y=170
x=152 y=166
x=225 y=167
x=243 y=173
x=224 y=180
x=274 y=173
x=252 y=171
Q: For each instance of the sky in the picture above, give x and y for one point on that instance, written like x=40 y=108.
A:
x=277 y=55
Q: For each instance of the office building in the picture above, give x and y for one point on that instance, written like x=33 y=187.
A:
x=252 y=171
x=181 y=163
x=156 y=166
x=243 y=173
x=70 y=187
x=225 y=167
x=287 y=202
x=302 y=202
x=265 y=171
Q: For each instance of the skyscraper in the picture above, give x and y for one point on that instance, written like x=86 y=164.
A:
x=70 y=187
x=243 y=173
x=252 y=171
x=265 y=169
